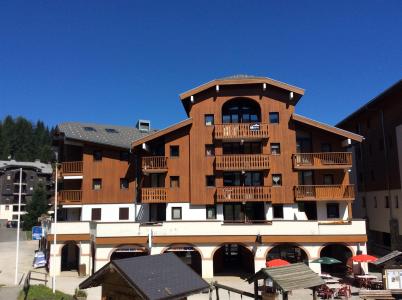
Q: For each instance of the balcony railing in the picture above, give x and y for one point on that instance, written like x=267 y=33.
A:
x=71 y=167
x=71 y=196
x=324 y=192
x=154 y=195
x=247 y=131
x=235 y=162
x=154 y=164
x=243 y=193
x=322 y=160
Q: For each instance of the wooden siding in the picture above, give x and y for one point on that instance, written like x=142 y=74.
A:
x=239 y=162
x=243 y=193
x=324 y=192
x=322 y=160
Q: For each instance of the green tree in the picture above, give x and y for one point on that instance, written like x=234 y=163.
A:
x=36 y=207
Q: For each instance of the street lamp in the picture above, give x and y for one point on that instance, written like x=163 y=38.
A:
x=56 y=155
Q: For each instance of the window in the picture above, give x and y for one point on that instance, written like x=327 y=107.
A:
x=209 y=120
x=372 y=175
x=375 y=202
x=370 y=150
x=124 y=155
x=332 y=210
x=386 y=202
x=123 y=183
x=364 y=202
x=326 y=147
x=209 y=150
x=396 y=202
x=8 y=177
x=174 y=181
x=176 y=213
x=174 y=151
x=111 y=130
x=7 y=207
x=328 y=179
x=381 y=144
x=123 y=213
x=97 y=155
x=273 y=117
x=275 y=148
x=96 y=184
x=277 y=211
x=210 y=180
x=276 y=179
x=211 y=212
x=96 y=214
x=88 y=128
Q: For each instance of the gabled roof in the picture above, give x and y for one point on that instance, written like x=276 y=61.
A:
x=377 y=99
x=241 y=79
x=110 y=135
x=154 y=277
x=291 y=277
x=329 y=128
x=37 y=165
x=386 y=258
x=162 y=132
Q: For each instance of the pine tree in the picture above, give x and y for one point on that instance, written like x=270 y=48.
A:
x=35 y=207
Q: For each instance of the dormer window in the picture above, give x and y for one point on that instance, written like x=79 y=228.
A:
x=88 y=128
x=111 y=130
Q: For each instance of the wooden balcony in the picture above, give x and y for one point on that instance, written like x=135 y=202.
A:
x=324 y=192
x=154 y=195
x=241 y=131
x=243 y=193
x=322 y=160
x=70 y=196
x=154 y=164
x=71 y=168
x=240 y=162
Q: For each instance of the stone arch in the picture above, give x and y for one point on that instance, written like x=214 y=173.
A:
x=70 y=256
x=291 y=252
x=234 y=259
x=189 y=254
x=132 y=250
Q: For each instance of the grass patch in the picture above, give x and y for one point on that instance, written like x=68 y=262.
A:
x=41 y=292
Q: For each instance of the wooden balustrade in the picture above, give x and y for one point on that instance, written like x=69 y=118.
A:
x=242 y=162
x=71 y=167
x=153 y=195
x=243 y=193
x=247 y=131
x=74 y=196
x=324 y=192
x=322 y=160
x=154 y=164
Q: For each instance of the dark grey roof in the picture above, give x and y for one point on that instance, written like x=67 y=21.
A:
x=386 y=258
x=291 y=277
x=112 y=135
x=163 y=276
x=37 y=165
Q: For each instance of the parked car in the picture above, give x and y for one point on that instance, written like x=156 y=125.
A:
x=12 y=224
x=39 y=260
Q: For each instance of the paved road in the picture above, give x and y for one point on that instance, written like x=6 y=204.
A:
x=10 y=234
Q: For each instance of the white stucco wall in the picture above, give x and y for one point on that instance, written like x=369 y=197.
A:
x=6 y=214
x=109 y=213
x=188 y=212
x=322 y=210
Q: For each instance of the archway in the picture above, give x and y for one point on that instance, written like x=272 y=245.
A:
x=339 y=252
x=189 y=255
x=128 y=251
x=70 y=256
x=289 y=252
x=241 y=110
x=234 y=260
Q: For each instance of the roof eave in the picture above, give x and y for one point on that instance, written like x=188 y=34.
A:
x=347 y=134
x=215 y=82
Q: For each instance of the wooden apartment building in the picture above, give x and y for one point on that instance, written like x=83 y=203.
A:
x=243 y=179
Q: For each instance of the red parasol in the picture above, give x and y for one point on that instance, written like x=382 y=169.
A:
x=364 y=258
x=276 y=263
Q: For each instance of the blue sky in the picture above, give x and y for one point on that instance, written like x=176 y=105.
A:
x=115 y=62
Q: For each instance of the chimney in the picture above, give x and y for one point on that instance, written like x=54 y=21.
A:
x=144 y=125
